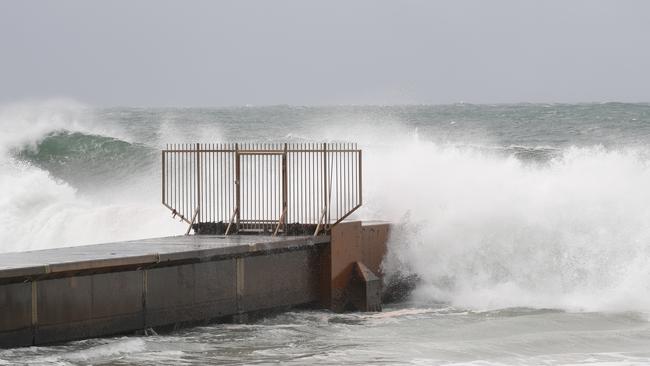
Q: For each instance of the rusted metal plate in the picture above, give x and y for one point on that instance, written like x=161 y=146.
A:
x=345 y=250
x=351 y=242
x=374 y=238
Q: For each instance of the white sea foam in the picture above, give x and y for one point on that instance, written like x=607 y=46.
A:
x=38 y=211
x=490 y=231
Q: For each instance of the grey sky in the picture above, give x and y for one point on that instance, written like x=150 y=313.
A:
x=212 y=53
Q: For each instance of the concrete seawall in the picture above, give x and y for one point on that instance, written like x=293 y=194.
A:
x=73 y=293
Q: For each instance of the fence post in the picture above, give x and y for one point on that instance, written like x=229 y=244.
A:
x=325 y=198
x=237 y=185
x=285 y=190
x=360 y=188
x=163 y=176
x=198 y=181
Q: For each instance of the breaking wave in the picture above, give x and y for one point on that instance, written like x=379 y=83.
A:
x=87 y=158
x=59 y=174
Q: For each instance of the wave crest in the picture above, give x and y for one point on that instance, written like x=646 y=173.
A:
x=65 y=181
x=82 y=158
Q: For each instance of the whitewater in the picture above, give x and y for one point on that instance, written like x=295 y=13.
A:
x=527 y=226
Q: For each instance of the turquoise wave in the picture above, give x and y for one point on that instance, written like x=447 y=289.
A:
x=78 y=157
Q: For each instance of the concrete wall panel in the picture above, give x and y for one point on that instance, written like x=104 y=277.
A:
x=16 y=305
x=64 y=300
x=214 y=281
x=16 y=338
x=191 y=292
x=170 y=287
x=283 y=272
x=288 y=278
x=16 y=314
x=118 y=293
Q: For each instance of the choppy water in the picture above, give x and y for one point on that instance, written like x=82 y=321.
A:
x=410 y=333
x=504 y=212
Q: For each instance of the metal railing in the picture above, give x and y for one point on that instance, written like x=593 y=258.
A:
x=289 y=188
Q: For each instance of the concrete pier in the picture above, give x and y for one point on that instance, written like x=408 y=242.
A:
x=64 y=294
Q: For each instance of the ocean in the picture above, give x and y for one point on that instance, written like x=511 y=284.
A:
x=527 y=225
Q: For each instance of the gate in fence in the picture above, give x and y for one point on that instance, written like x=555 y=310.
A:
x=252 y=188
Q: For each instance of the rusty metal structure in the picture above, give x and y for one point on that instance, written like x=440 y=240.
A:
x=290 y=188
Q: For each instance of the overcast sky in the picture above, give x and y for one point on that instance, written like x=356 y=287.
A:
x=218 y=53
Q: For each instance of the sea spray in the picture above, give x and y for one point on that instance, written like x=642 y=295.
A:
x=484 y=230
x=41 y=205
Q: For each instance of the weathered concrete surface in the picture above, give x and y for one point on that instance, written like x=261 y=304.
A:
x=65 y=294
x=190 y=292
x=73 y=293
x=16 y=313
x=279 y=280
x=88 y=258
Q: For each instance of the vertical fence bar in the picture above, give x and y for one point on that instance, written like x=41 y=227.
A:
x=231 y=182
x=360 y=187
x=339 y=182
x=349 y=172
x=258 y=188
x=198 y=181
x=285 y=192
x=184 y=176
x=218 y=213
x=325 y=205
x=301 y=184
x=176 y=182
x=214 y=164
x=208 y=184
x=222 y=161
x=265 y=201
x=164 y=176
x=237 y=184
x=310 y=208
